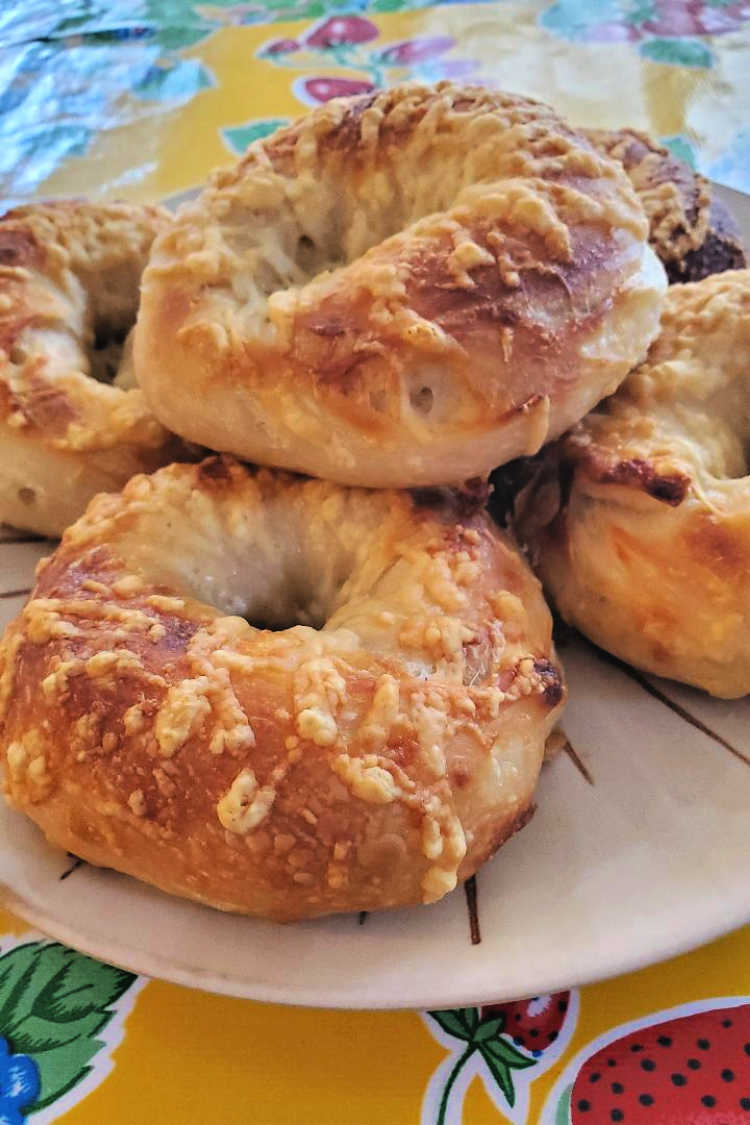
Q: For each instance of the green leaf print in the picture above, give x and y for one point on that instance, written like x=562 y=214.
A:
x=240 y=136
x=53 y=1003
x=677 y=52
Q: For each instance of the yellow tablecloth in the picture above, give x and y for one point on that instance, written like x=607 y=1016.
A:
x=138 y=100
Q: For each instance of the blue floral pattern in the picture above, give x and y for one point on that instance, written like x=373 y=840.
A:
x=19 y=1085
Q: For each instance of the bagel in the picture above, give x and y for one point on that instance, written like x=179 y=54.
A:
x=692 y=232
x=369 y=757
x=69 y=282
x=639 y=520
x=402 y=289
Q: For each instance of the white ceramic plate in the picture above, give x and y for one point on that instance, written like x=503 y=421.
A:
x=638 y=851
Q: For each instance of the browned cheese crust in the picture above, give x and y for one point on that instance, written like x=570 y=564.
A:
x=691 y=231
x=371 y=762
x=639 y=520
x=69 y=284
x=401 y=289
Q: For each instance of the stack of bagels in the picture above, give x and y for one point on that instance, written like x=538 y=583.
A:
x=326 y=684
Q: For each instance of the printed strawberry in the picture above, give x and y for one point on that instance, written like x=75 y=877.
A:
x=533 y=1024
x=280 y=47
x=323 y=89
x=340 y=30
x=691 y=1070
x=416 y=50
x=680 y=18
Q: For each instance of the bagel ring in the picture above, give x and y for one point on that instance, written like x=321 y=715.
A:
x=371 y=762
x=69 y=285
x=692 y=232
x=402 y=289
x=639 y=519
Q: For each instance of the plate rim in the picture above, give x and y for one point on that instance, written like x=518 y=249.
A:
x=154 y=967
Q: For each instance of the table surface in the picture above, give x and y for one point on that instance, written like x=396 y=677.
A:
x=138 y=99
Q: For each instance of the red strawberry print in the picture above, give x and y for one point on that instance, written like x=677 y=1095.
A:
x=693 y=17
x=533 y=1024
x=281 y=47
x=416 y=50
x=323 y=89
x=342 y=29
x=692 y=1070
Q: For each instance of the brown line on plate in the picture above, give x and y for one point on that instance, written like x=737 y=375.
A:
x=73 y=867
x=20 y=538
x=677 y=708
x=470 y=889
x=15 y=593
x=577 y=762
x=362 y=917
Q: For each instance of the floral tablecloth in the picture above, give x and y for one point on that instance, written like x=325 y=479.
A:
x=138 y=99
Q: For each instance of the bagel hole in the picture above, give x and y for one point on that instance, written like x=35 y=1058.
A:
x=305 y=256
x=422 y=400
x=17 y=355
x=276 y=620
x=293 y=602
x=311 y=258
x=106 y=352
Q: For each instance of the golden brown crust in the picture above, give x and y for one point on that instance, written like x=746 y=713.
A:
x=402 y=289
x=639 y=520
x=69 y=284
x=692 y=233
x=369 y=763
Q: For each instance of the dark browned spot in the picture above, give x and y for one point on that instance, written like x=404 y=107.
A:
x=720 y=250
x=635 y=472
x=550 y=676
x=460 y=502
x=347 y=135
x=215 y=470
x=18 y=247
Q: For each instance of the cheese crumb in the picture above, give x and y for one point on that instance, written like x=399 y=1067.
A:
x=245 y=806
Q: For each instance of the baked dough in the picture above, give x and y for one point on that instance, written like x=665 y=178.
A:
x=71 y=421
x=691 y=230
x=406 y=288
x=371 y=756
x=639 y=520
